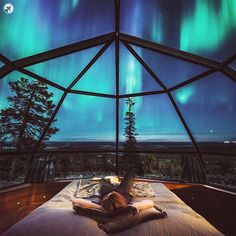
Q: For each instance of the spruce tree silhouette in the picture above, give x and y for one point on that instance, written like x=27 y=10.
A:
x=130 y=130
x=130 y=139
x=22 y=123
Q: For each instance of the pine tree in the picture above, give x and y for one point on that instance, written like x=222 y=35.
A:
x=130 y=130
x=22 y=123
x=130 y=139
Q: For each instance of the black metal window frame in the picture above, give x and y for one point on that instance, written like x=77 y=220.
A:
x=127 y=40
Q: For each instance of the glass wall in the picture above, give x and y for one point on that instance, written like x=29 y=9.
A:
x=170 y=70
x=158 y=126
x=45 y=25
x=155 y=165
x=209 y=108
x=133 y=76
x=63 y=70
x=84 y=122
x=13 y=169
x=233 y=65
x=100 y=78
x=204 y=27
x=221 y=171
x=70 y=132
x=26 y=107
x=61 y=166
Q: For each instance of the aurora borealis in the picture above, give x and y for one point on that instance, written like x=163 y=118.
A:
x=203 y=27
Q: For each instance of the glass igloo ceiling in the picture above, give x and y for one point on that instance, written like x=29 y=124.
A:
x=176 y=60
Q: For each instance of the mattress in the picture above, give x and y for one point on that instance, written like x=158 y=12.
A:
x=56 y=217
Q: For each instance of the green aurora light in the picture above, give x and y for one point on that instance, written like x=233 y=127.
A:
x=207 y=28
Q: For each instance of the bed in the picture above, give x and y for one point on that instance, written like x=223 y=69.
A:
x=56 y=217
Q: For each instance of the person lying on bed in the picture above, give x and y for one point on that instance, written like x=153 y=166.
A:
x=114 y=197
x=113 y=211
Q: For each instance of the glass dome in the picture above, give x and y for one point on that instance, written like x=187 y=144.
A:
x=88 y=57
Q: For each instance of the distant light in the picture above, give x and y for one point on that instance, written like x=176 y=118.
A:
x=211 y=130
x=44 y=196
x=227 y=141
x=18 y=203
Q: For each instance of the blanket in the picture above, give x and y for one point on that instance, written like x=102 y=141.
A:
x=123 y=218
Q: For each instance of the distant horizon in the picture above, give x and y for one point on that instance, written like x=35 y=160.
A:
x=149 y=138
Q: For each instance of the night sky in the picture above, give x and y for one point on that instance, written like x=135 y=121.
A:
x=202 y=27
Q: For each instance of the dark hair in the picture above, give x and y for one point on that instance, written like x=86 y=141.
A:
x=113 y=201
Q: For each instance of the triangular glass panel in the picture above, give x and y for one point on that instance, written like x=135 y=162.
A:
x=63 y=70
x=25 y=109
x=209 y=108
x=170 y=70
x=133 y=76
x=1 y=64
x=157 y=124
x=233 y=65
x=85 y=123
x=101 y=77
x=68 y=21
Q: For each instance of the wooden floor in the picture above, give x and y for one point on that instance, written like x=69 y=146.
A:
x=218 y=207
x=16 y=203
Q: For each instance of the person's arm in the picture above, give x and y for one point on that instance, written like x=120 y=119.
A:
x=145 y=204
x=85 y=203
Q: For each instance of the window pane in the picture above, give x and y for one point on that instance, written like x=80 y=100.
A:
x=155 y=165
x=169 y=70
x=29 y=112
x=64 y=70
x=20 y=171
x=100 y=78
x=208 y=106
x=206 y=28
x=220 y=170
x=86 y=123
x=233 y=65
x=133 y=77
x=87 y=165
x=45 y=25
x=157 y=124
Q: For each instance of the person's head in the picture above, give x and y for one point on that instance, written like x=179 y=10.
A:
x=113 y=201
